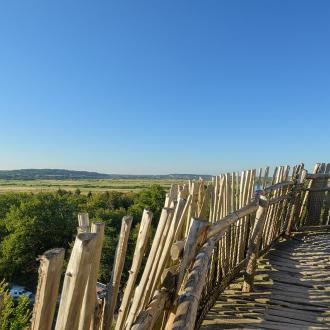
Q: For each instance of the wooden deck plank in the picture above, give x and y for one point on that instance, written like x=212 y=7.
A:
x=292 y=290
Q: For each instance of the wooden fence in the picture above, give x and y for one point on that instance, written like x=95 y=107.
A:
x=207 y=234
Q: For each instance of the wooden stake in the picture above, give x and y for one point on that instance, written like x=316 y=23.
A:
x=177 y=250
x=192 y=209
x=50 y=270
x=75 y=281
x=90 y=299
x=141 y=244
x=83 y=223
x=113 y=286
x=264 y=183
x=154 y=274
x=253 y=249
x=180 y=226
x=169 y=240
x=140 y=290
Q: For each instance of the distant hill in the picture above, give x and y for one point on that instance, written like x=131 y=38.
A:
x=60 y=174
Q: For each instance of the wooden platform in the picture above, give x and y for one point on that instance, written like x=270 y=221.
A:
x=292 y=289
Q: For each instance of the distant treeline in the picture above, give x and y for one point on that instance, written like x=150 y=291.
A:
x=60 y=174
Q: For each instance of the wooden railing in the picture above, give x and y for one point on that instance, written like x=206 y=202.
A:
x=208 y=233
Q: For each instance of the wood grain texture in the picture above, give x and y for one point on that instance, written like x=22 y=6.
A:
x=291 y=291
x=50 y=270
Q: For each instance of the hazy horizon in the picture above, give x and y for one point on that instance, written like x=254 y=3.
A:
x=309 y=168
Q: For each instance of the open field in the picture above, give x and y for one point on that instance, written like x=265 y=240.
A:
x=85 y=185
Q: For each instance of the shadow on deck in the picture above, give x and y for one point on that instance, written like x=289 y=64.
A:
x=292 y=289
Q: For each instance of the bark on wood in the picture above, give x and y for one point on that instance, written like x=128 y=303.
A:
x=148 y=318
x=195 y=238
x=188 y=302
x=177 y=250
x=231 y=218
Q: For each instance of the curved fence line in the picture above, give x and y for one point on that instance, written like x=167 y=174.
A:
x=208 y=233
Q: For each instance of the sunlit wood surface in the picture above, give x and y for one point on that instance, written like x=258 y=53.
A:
x=292 y=289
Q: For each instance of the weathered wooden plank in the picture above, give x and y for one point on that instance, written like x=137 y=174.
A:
x=291 y=286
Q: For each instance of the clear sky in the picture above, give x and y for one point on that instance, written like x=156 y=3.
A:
x=180 y=86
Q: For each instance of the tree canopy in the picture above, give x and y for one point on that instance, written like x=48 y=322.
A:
x=31 y=224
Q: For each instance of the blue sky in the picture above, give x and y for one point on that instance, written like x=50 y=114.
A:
x=164 y=86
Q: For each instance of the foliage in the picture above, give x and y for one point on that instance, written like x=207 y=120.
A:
x=31 y=224
x=44 y=221
x=13 y=316
x=152 y=199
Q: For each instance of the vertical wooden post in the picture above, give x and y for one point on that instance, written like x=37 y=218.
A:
x=295 y=202
x=179 y=231
x=113 y=286
x=147 y=295
x=89 y=301
x=75 y=281
x=141 y=244
x=50 y=269
x=243 y=184
x=254 y=244
x=169 y=240
x=192 y=209
x=139 y=293
x=83 y=223
x=247 y=194
x=308 y=196
x=265 y=178
x=205 y=209
x=271 y=220
x=325 y=217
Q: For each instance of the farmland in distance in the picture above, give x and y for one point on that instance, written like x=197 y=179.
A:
x=84 y=185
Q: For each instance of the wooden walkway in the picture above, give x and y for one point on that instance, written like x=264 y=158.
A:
x=292 y=289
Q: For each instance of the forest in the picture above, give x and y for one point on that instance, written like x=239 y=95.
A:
x=32 y=223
